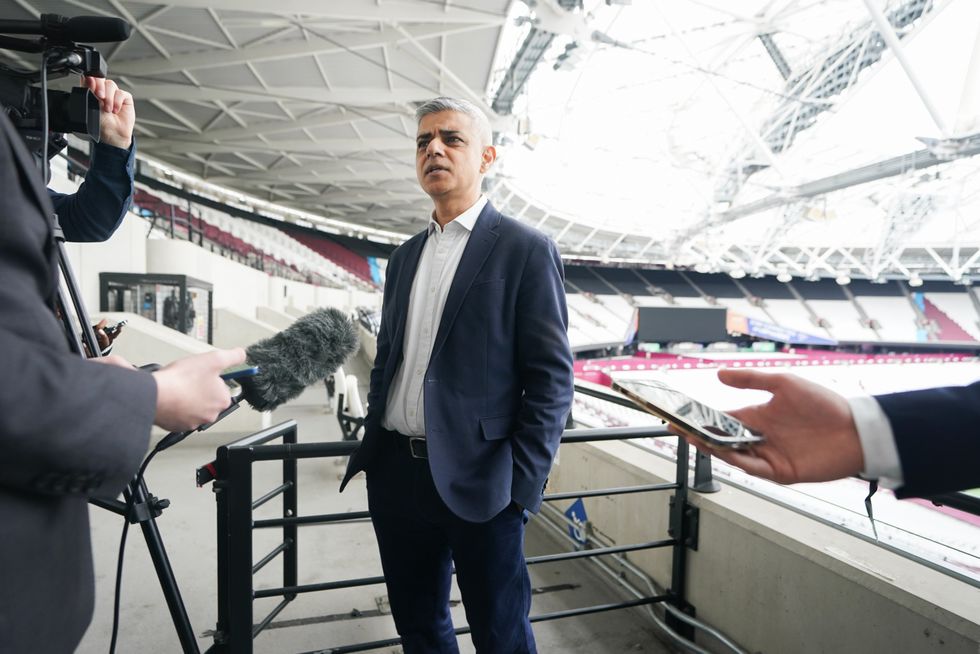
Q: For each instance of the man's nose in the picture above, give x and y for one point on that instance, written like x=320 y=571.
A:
x=433 y=148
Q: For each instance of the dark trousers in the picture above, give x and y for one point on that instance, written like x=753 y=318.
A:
x=420 y=539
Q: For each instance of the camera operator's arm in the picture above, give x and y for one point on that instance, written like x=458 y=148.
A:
x=98 y=207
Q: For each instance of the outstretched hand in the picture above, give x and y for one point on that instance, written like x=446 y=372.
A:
x=809 y=430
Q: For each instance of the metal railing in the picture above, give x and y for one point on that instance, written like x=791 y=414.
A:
x=233 y=485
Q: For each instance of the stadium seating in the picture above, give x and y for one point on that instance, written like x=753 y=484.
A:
x=247 y=242
x=860 y=312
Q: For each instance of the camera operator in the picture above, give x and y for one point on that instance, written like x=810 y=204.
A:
x=70 y=429
x=98 y=207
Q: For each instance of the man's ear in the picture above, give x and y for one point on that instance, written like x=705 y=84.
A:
x=489 y=156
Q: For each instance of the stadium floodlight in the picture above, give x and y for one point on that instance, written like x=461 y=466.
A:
x=914 y=280
x=784 y=277
x=736 y=273
x=843 y=278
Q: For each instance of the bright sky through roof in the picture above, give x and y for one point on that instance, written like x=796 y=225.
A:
x=642 y=137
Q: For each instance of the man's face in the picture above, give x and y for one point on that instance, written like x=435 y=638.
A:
x=450 y=157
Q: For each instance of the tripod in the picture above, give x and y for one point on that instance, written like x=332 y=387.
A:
x=140 y=505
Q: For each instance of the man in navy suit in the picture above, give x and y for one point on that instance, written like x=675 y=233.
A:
x=469 y=393
x=918 y=443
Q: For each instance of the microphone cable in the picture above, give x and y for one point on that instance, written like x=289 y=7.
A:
x=130 y=503
x=167 y=441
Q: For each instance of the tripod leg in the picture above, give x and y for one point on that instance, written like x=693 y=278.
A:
x=165 y=573
x=75 y=296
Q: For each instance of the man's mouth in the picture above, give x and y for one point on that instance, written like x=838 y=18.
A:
x=435 y=169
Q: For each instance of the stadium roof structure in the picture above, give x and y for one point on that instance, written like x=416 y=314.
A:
x=308 y=104
x=802 y=137
x=834 y=138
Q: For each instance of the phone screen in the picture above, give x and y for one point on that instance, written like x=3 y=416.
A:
x=699 y=420
x=237 y=372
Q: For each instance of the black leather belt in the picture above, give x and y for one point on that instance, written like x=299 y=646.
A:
x=414 y=445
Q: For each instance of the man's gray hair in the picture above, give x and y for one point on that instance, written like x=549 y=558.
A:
x=436 y=105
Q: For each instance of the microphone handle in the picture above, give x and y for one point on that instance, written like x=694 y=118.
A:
x=175 y=437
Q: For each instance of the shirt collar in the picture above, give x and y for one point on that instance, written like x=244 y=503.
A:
x=467 y=219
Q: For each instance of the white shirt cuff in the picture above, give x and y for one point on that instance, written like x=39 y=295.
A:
x=881 y=460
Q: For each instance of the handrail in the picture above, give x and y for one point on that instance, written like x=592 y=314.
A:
x=232 y=475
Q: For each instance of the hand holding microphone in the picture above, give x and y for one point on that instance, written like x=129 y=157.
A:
x=190 y=391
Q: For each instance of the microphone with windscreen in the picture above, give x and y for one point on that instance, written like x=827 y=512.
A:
x=303 y=354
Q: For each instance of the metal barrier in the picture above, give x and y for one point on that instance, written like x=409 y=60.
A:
x=232 y=476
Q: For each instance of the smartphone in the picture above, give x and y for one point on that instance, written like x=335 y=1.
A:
x=237 y=372
x=700 y=421
x=112 y=330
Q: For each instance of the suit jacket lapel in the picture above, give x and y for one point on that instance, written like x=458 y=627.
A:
x=478 y=248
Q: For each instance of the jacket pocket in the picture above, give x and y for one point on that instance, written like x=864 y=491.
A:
x=496 y=427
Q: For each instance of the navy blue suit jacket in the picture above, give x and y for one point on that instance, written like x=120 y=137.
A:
x=95 y=210
x=499 y=383
x=937 y=432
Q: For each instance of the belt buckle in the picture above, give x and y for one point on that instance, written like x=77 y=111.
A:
x=416 y=446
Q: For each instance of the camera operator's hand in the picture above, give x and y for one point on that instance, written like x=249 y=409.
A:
x=118 y=116
x=190 y=392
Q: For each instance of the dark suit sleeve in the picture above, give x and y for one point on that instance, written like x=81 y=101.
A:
x=937 y=432
x=544 y=359
x=70 y=426
x=98 y=207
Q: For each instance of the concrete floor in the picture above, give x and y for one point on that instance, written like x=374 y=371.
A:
x=314 y=621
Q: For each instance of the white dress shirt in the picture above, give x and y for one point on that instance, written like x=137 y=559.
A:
x=405 y=410
x=881 y=460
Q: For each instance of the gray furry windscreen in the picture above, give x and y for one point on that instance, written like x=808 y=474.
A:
x=302 y=354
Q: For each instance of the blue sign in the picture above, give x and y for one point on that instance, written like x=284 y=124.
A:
x=377 y=272
x=576 y=513
x=767 y=330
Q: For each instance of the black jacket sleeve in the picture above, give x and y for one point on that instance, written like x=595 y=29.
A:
x=96 y=210
x=937 y=433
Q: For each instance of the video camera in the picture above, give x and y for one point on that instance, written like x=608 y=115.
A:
x=43 y=116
